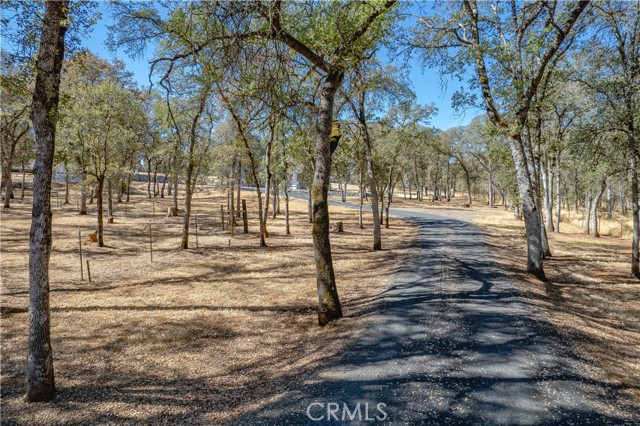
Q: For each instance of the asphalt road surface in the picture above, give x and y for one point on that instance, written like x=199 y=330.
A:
x=451 y=342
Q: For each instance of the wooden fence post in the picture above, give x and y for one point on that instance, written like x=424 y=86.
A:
x=88 y=271
x=80 y=245
x=150 y=242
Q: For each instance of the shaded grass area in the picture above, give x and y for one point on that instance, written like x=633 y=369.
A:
x=199 y=335
x=591 y=298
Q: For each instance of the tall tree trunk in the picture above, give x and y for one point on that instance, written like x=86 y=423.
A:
x=286 y=206
x=164 y=184
x=547 y=184
x=189 y=181
x=532 y=222
x=558 y=198
x=155 y=180
x=44 y=109
x=128 y=187
x=268 y=179
x=635 y=205
x=468 y=181
x=66 y=184
x=587 y=214
x=109 y=202
x=175 y=193
x=120 y=191
x=8 y=190
x=83 y=201
x=490 y=185
x=24 y=178
x=100 y=206
x=6 y=172
x=377 y=232
x=360 y=224
x=275 y=198
x=149 y=177
x=310 y=205
x=238 y=183
x=594 y=207
x=330 y=308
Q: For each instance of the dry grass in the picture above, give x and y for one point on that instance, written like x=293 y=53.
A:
x=590 y=298
x=199 y=335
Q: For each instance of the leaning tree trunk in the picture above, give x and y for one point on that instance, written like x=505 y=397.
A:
x=532 y=222
x=330 y=308
x=39 y=368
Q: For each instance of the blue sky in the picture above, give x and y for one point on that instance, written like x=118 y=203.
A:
x=426 y=82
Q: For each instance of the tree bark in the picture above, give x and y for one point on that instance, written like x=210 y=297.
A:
x=148 y=177
x=532 y=222
x=286 y=208
x=558 y=198
x=83 y=201
x=310 y=205
x=587 y=214
x=109 y=202
x=268 y=180
x=8 y=190
x=24 y=178
x=164 y=184
x=330 y=308
x=545 y=172
x=66 y=185
x=189 y=182
x=635 y=205
x=360 y=224
x=238 y=183
x=100 y=206
x=594 y=207
x=39 y=368
x=175 y=193
x=377 y=233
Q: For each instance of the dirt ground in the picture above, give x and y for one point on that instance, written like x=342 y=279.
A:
x=196 y=336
